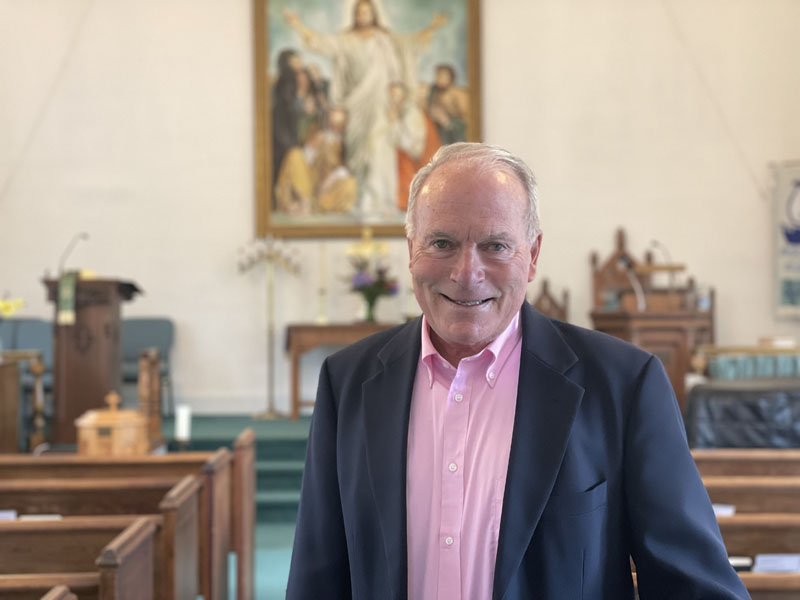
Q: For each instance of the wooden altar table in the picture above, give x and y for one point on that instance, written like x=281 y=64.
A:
x=304 y=337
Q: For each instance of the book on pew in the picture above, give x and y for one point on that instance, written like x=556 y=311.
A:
x=724 y=510
x=777 y=563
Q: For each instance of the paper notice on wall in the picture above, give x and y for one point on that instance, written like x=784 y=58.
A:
x=786 y=232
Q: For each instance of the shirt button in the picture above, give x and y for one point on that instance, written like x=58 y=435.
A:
x=458 y=397
x=453 y=467
x=448 y=540
x=491 y=374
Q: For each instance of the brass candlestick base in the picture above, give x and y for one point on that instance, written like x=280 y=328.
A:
x=268 y=415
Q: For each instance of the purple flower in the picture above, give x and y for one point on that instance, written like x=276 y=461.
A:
x=362 y=279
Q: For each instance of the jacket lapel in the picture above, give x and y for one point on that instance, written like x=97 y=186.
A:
x=386 y=398
x=547 y=403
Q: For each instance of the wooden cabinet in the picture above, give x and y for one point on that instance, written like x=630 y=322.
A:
x=667 y=321
x=670 y=336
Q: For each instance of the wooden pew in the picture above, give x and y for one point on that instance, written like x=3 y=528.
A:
x=124 y=569
x=772 y=586
x=176 y=561
x=211 y=465
x=60 y=592
x=33 y=587
x=747 y=461
x=761 y=533
x=214 y=468
x=765 y=586
x=243 y=513
x=755 y=494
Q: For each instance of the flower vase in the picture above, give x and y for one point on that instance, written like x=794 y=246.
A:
x=369 y=312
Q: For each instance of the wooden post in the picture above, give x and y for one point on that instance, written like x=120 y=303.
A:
x=37 y=436
x=150 y=394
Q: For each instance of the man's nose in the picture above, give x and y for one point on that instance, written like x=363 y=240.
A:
x=468 y=268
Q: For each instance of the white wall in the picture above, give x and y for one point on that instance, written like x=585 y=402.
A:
x=134 y=121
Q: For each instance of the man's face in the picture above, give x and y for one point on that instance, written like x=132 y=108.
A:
x=365 y=17
x=470 y=258
x=443 y=78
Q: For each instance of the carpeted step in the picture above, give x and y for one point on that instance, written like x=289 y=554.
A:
x=279 y=474
x=277 y=506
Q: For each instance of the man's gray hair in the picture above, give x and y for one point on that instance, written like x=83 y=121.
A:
x=486 y=156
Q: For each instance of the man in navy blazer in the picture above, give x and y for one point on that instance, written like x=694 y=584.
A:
x=599 y=470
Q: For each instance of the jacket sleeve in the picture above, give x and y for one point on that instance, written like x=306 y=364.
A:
x=320 y=567
x=675 y=539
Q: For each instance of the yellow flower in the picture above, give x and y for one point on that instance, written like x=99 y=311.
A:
x=9 y=307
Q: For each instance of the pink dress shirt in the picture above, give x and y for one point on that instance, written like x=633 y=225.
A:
x=459 y=439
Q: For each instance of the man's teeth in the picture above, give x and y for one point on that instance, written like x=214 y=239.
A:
x=468 y=303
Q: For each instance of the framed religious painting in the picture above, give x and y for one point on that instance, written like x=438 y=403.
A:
x=352 y=98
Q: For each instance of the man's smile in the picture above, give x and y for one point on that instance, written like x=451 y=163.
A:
x=466 y=302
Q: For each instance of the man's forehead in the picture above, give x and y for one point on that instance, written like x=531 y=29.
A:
x=472 y=172
x=472 y=167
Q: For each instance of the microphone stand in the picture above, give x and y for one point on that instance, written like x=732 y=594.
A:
x=68 y=250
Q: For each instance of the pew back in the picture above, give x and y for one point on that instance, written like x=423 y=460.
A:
x=33 y=587
x=124 y=570
x=60 y=592
x=755 y=494
x=761 y=533
x=747 y=462
x=71 y=544
x=216 y=467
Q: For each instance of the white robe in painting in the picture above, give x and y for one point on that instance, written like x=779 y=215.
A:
x=363 y=68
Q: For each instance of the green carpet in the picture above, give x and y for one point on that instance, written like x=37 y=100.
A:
x=280 y=454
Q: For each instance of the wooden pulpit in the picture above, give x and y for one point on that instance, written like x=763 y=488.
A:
x=667 y=321
x=87 y=354
x=9 y=405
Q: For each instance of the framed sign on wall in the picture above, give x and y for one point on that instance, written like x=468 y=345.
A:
x=352 y=97
x=786 y=233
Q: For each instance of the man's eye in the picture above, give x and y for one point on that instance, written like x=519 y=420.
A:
x=497 y=247
x=441 y=244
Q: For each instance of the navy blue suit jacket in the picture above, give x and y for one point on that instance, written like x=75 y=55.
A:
x=599 y=471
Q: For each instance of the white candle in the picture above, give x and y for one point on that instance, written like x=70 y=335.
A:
x=183 y=423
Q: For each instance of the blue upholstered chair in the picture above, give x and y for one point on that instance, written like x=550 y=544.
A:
x=7 y=334
x=141 y=333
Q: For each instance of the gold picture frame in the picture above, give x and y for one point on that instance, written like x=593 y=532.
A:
x=351 y=98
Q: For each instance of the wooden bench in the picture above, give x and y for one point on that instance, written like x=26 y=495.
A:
x=750 y=462
x=755 y=494
x=214 y=468
x=35 y=587
x=765 y=586
x=124 y=569
x=761 y=533
x=772 y=586
x=176 y=561
x=211 y=465
x=60 y=592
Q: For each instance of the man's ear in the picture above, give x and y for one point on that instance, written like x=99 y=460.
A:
x=537 y=246
x=410 y=250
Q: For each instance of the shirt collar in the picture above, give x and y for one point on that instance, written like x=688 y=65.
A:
x=499 y=350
